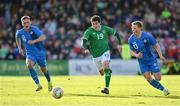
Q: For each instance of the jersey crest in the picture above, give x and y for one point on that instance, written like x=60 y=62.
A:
x=103 y=31
x=93 y=33
x=145 y=41
x=31 y=32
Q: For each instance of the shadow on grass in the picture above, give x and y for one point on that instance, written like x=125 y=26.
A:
x=169 y=97
x=123 y=96
x=93 y=95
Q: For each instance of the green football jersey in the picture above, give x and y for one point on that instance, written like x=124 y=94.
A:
x=98 y=39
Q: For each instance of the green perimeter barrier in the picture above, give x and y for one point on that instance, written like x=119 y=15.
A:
x=56 y=67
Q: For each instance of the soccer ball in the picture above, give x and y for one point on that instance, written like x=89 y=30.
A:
x=57 y=92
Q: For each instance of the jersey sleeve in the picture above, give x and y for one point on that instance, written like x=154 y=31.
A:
x=86 y=34
x=17 y=35
x=152 y=40
x=131 y=45
x=37 y=31
x=110 y=31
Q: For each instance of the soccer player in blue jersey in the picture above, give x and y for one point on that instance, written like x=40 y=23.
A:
x=32 y=38
x=142 y=45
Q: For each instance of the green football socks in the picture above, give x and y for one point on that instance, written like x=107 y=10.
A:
x=107 y=77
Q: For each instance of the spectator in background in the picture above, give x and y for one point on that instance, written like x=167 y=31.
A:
x=165 y=14
x=162 y=18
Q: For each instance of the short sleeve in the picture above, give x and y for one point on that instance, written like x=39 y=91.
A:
x=17 y=35
x=152 y=40
x=37 y=31
x=130 y=44
x=110 y=31
x=86 y=34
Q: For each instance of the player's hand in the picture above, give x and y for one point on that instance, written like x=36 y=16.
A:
x=119 y=48
x=139 y=55
x=31 y=42
x=21 y=51
x=86 y=51
x=162 y=58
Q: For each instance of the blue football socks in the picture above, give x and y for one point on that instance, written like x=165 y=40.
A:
x=157 y=85
x=34 y=75
x=47 y=75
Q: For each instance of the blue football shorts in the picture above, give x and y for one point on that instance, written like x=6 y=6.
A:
x=151 y=66
x=41 y=60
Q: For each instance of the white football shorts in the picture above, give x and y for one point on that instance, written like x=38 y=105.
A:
x=99 y=60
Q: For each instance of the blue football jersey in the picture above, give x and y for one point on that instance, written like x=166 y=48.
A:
x=36 y=49
x=143 y=44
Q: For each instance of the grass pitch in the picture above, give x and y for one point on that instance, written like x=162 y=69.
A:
x=85 y=90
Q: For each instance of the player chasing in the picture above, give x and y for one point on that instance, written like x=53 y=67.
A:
x=32 y=39
x=97 y=38
x=141 y=44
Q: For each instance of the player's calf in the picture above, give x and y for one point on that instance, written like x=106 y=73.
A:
x=50 y=86
x=101 y=71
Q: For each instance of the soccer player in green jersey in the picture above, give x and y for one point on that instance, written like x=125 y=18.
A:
x=97 y=38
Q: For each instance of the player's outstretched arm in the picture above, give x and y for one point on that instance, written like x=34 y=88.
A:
x=137 y=55
x=39 y=39
x=158 y=49
x=84 y=45
x=119 y=42
x=18 y=42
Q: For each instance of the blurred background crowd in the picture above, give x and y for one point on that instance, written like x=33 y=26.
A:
x=64 y=21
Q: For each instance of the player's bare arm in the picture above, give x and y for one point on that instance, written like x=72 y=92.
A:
x=119 y=42
x=84 y=45
x=158 y=50
x=18 y=42
x=137 y=55
x=41 y=38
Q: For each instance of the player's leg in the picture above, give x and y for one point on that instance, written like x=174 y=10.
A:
x=108 y=72
x=153 y=82
x=30 y=61
x=148 y=76
x=98 y=64
x=42 y=63
x=157 y=77
x=105 y=65
x=47 y=75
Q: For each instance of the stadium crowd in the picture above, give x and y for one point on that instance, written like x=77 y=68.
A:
x=64 y=21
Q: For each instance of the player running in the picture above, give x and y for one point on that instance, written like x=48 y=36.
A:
x=32 y=39
x=141 y=44
x=97 y=38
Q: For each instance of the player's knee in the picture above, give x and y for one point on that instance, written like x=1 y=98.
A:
x=106 y=65
x=149 y=79
x=43 y=69
x=158 y=78
x=29 y=65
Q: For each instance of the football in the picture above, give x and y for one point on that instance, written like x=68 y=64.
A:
x=57 y=92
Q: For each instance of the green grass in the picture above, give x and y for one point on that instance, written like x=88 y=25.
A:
x=85 y=90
